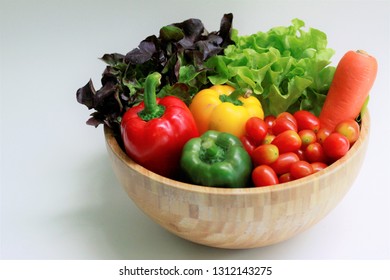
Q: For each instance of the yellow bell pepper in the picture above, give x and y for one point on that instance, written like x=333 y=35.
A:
x=213 y=110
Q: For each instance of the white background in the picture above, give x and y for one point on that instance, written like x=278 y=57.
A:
x=59 y=196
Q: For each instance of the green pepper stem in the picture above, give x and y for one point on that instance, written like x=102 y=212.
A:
x=211 y=152
x=151 y=110
x=233 y=97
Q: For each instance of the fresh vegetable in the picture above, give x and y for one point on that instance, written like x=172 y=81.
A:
x=222 y=108
x=155 y=131
x=256 y=130
x=287 y=68
x=282 y=124
x=283 y=163
x=263 y=175
x=307 y=137
x=354 y=77
x=300 y=169
x=315 y=153
x=178 y=53
x=287 y=141
x=292 y=153
x=307 y=120
x=350 y=129
x=265 y=154
x=336 y=146
x=318 y=166
x=216 y=159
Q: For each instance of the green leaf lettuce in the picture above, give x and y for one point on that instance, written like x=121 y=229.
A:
x=287 y=68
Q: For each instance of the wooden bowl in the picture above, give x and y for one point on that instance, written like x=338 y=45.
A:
x=238 y=218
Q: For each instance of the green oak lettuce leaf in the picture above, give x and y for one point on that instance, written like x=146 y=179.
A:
x=287 y=68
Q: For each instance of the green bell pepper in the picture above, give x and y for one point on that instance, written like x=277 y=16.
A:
x=216 y=159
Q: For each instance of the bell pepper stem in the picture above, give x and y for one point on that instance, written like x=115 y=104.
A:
x=211 y=152
x=233 y=97
x=152 y=110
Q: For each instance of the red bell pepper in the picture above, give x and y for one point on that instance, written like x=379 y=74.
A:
x=155 y=131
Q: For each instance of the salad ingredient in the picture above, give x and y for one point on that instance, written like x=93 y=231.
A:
x=307 y=120
x=350 y=129
x=307 y=137
x=216 y=159
x=283 y=163
x=318 y=166
x=335 y=146
x=265 y=154
x=248 y=144
x=178 y=53
x=300 y=169
x=282 y=124
x=256 y=130
x=222 y=108
x=287 y=141
x=322 y=134
x=294 y=153
x=287 y=68
x=284 y=178
x=263 y=175
x=315 y=153
x=155 y=131
x=354 y=77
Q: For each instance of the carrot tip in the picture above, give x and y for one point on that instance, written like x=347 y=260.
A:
x=362 y=52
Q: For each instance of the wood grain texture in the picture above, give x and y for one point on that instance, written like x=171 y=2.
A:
x=238 y=218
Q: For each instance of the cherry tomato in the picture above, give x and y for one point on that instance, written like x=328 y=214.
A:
x=307 y=136
x=336 y=146
x=263 y=175
x=286 y=177
x=283 y=163
x=300 y=153
x=256 y=130
x=283 y=124
x=318 y=166
x=269 y=120
x=307 y=120
x=300 y=169
x=287 y=141
x=248 y=145
x=315 y=152
x=265 y=154
x=350 y=129
x=268 y=139
x=322 y=134
x=289 y=116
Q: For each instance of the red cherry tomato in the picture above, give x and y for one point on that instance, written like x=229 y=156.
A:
x=283 y=124
x=350 y=129
x=268 y=139
x=265 y=154
x=286 y=177
x=307 y=136
x=263 y=175
x=287 y=141
x=318 y=166
x=336 y=146
x=283 y=163
x=300 y=153
x=248 y=145
x=315 y=153
x=269 y=120
x=289 y=116
x=300 y=169
x=256 y=130
x=322 y=134
x=307 y=120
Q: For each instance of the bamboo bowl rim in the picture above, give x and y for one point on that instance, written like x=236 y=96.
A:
x=120 y=154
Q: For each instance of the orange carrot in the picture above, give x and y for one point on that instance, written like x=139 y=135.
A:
x=353 y=79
